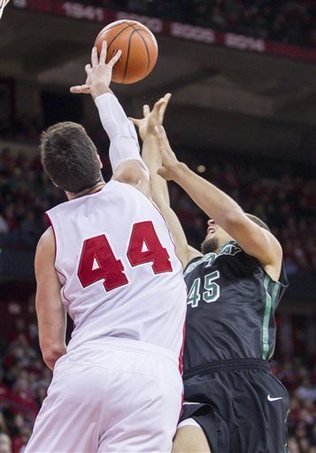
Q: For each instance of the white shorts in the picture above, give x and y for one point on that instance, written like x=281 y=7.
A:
x=117 y=395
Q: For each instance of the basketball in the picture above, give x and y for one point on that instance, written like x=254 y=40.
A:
x=139 y=50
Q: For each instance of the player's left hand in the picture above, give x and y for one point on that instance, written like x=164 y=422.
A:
x=99 y=73
x=152 y=118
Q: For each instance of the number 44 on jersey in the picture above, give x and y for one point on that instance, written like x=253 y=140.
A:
x=110 y=269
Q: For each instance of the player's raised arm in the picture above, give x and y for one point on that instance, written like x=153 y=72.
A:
x=125 y=158
x=50 y=311
x=150 y=153
x=253 y=239
x=159 y=188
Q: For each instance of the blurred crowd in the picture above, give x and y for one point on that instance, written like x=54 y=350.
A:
x=300 y=380
x=280 y=196
x=24 y=380
x=23 y=376
x=290 y=21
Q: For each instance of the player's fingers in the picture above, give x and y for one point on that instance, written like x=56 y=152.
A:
x=80 y=89
x=94 y=57
x=135 y=121
x=146 y=110
x=88 y=70
x=164 y=99
x=103 y=53
x=115 y=58
x=163 y=106
x=167 y=97
x=159 y=105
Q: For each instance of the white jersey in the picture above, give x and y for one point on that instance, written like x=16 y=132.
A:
x=117 y=266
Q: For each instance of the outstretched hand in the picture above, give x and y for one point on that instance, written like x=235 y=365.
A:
x=152 y=118
x=170 y=163
x=99 y=73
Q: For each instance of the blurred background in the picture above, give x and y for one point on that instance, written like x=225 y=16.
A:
x=243 y=115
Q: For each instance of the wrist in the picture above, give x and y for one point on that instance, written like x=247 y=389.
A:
x=178 y=171
x=99 y=88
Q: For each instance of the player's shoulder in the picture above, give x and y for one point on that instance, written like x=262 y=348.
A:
x=47 y=239
x=134 y=189
x=197 y=261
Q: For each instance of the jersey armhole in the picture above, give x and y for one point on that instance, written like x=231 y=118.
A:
x=193 y=260
x=50 y=224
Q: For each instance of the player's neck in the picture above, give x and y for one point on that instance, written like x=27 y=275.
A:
x=96 y=188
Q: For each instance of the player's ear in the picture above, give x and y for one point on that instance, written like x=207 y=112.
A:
x=100 y=161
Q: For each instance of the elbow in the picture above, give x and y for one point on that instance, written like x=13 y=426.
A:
x=52 y=353
x=131 y=171
x=49 y=363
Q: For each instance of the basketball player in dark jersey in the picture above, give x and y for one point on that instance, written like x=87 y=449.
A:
x=232 y=401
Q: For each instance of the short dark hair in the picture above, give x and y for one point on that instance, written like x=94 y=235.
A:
x=69 y=157
x=258 y=221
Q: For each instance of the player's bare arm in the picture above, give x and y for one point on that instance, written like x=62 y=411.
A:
x=127 y=164
x=150 y=153
x=253 y=239
x=159 y=189
x=49 y=308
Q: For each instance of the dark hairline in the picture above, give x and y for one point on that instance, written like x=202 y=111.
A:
x=257 y=220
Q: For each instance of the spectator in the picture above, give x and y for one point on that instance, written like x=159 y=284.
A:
x=5 y=443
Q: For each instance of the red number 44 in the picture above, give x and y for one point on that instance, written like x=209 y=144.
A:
x=110 y=269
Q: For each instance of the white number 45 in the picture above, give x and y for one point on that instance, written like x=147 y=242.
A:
x=211 y=290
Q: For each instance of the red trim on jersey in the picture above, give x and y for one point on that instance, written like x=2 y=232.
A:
x=181 y=406
x=181 y=350
x=50 y=223
x=48 y=220
x=181 y=367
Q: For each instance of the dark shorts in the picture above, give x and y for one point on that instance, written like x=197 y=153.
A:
x=242 y=407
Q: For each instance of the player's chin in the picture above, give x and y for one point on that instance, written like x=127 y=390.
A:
x=210 y=244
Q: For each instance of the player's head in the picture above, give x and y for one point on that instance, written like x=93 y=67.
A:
x=216 y=237
x=258 y=221
x=70 y=158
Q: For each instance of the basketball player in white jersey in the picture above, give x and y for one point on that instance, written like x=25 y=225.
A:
x=108 y=260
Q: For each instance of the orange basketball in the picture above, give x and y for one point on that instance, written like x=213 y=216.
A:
x=139 y=49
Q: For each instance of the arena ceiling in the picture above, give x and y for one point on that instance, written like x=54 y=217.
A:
x=222 y=98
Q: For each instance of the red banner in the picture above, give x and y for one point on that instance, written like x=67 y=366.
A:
x=176 y=29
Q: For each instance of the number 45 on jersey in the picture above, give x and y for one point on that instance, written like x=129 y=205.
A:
x=210 y=291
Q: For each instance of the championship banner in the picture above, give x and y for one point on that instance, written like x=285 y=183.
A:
x=208 y=36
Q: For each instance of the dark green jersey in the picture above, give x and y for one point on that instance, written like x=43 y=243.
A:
x=231 y=305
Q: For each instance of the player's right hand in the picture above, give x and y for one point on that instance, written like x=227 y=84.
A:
x=99 y=73
x=152 y=118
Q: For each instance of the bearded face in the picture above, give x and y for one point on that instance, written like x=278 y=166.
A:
x=209 y=245
x=215 y=238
